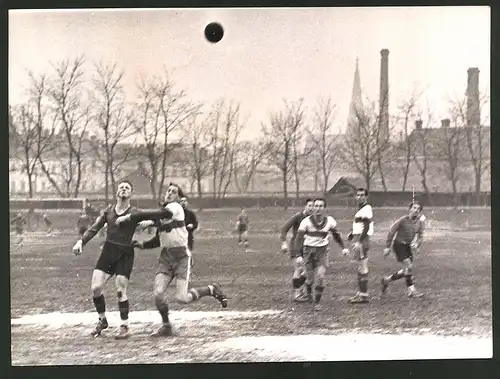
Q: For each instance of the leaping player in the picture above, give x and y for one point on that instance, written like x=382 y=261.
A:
x=175 y=259
x=299 y=274
x=117 y=256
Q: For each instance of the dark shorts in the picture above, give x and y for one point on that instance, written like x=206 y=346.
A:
x=242 y=229
x=19 y=230
x=116 y=260
x=82 y=230
x=365 y=247
x=315 y=257
x=402 y=251
x=174 y=262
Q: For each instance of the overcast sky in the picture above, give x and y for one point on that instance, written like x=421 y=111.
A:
x=266 y=54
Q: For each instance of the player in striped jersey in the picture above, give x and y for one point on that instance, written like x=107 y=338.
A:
x=174 y=261
x=299 y=275
x=312 y=235
x=405 y=236
x=362 y=230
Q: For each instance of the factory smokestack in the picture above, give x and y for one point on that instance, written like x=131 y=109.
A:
x=384 y=93
x=473 y=108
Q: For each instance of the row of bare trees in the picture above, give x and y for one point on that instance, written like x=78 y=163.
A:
x=296 y=143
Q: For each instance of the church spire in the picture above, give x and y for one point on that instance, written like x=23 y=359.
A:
x=356 y=100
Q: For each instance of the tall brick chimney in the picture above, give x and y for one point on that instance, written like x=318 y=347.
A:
x=384 y=92
x=473 y=108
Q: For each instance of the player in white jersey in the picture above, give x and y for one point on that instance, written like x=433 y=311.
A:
x=174 y=261
x=312 y=241
x=362 y=230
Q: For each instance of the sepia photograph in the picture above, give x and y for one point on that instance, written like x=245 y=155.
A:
x=249 y=185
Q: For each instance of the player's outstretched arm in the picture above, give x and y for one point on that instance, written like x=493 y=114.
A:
x=151 y=215
x=94 y=229
x=152 y=243
x=284 y=230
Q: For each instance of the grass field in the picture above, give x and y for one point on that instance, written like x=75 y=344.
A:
x=52 y=310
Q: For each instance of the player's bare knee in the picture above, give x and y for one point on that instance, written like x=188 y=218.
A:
x=320 y=273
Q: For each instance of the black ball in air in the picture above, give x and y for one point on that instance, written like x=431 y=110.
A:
x=214 y=32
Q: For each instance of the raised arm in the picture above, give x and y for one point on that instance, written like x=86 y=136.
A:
x=151 y=215
x=392 y=232
x=285 y=229
x=94 y=229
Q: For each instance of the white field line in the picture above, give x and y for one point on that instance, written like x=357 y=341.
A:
x=58 y=320
x=357 y=347
x=342 y=347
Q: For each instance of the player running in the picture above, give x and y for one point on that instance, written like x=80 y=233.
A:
x=299 y=274
x=117 y=257
x=174 y=261
x=242 y=224
x=362 y=230
x=19 y=223
x=312 y=235
x=405 y=236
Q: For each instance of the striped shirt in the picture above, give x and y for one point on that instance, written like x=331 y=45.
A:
x=174 y=230
x=364 y=216
x=405 y=229
x=316 y=235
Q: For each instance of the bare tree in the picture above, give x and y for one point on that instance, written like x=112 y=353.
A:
x=364 y=145
x=249 y=156
x=24 y=142
x=451 y=143
x=66 y=93
x=477 y=139
x=196 y=137
x=160 y=110
x=224 y=128
x=407 y=116
x=281 y=136
x=423 y=149
x=325 y=142
x=114 y=122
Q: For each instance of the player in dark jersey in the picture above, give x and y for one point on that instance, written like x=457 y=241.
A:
x=299 y=273
x=242 y=224
x=405 y=236
x=190 y=220
x=117 y=256
x=19 y=223
x=84 y=222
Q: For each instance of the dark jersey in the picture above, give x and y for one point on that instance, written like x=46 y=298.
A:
x=116 y=234
x=293 y=223
x=190 y=218
x=243 y=221
x=405 y=229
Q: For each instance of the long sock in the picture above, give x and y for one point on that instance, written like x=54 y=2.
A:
x=197 y=293
x=124 y=307
x=409 y=280
x=398 y=275
x=318 y=293
x=309 y=288
x=162 y=307
x=100 y=306
x=363 y=283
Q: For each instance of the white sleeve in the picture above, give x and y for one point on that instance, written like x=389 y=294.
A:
x=333 y=223
x=366 y=212
x=177 y=211
x=303 y=225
